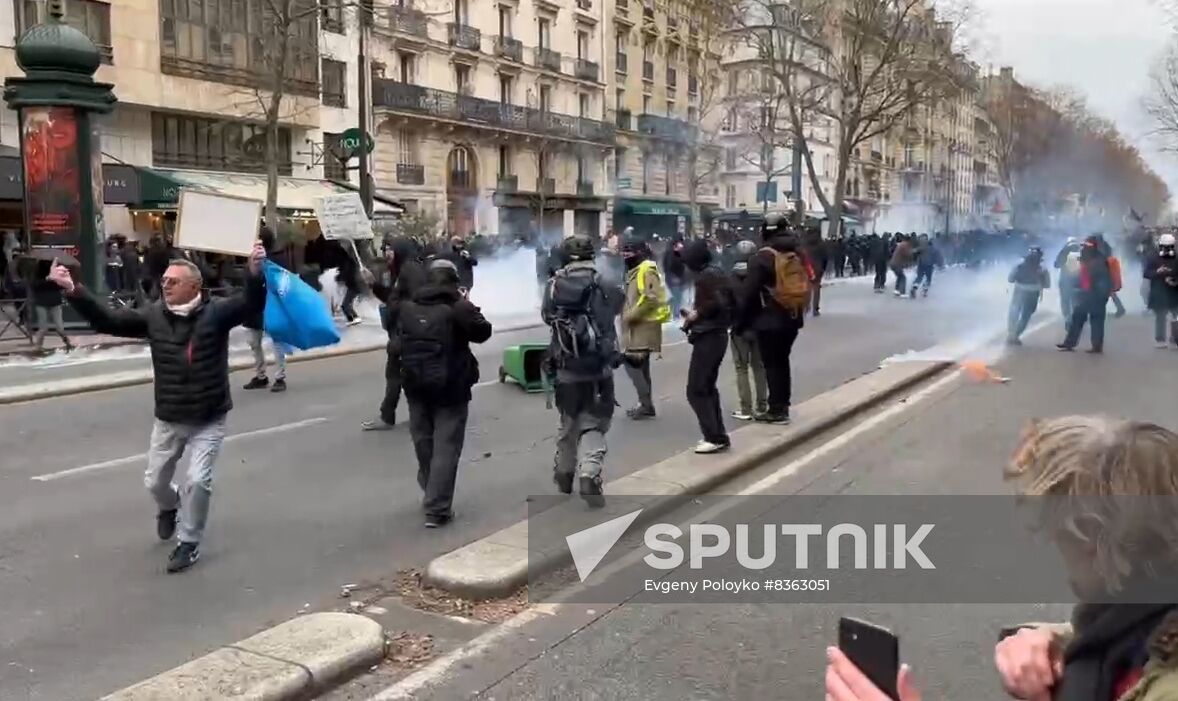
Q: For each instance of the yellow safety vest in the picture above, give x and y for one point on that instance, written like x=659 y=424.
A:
x=662 y=313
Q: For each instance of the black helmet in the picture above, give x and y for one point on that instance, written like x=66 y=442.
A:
x=634 y=247
x=579 y=247
x=745 y=250
x=774 y=224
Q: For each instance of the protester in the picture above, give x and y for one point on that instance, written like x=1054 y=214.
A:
x=676 y=275
x=815 y=258
x=771 y=307
x=878 y=254
x=901 y=260
x=643 y=316
x=189 y=340
x=1095 y=286
x=746 y=354
x=580 y=307
x=405 y=275
x=1030 y=279
x=462 y=259
x=255 y=326
x=434 y=331
x=1067 y=262
x=928 y=258
x=1161 y=273
x=707 y=325
x=47 y=302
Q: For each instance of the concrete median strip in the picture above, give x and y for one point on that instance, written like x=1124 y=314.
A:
x=498 y=564
x=291 y=661
x=131 y=378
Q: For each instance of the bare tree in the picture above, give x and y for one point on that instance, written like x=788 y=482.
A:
x=1162 y=102
x=766 y=132
x=864 y=64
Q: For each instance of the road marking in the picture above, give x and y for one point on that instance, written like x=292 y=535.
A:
x=132 y=459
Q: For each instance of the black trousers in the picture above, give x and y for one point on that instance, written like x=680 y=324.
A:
x=1087 y=310
x=392 y=388
x=881 y=275
x=350 y=295
x=438 y=433
x=707 y=355
x=776 y=346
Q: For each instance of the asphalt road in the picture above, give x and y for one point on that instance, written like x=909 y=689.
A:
x=952 y=439
x=305 y=503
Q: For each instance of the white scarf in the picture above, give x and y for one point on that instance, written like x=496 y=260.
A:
x=186 y=308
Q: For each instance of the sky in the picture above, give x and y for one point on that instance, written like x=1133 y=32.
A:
x=1104 y=48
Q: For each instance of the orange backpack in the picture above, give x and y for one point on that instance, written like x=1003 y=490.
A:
x=791 y=282
x=1114 y=271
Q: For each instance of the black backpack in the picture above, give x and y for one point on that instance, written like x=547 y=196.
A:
x=577 y=343
x=427 y=338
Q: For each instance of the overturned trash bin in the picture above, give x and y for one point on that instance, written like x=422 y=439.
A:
x=524 y=364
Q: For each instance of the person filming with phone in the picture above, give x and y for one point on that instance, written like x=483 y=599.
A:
x=1116 y=535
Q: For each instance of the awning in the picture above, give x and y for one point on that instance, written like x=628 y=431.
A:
x=162 y=188
x=655 y=207
x=121 y=182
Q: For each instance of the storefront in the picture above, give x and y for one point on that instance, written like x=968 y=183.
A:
x=665 y=219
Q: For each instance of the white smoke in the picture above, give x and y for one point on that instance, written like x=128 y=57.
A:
x=505 y=286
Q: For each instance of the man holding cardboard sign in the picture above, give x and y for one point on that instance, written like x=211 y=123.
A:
x=189 y=338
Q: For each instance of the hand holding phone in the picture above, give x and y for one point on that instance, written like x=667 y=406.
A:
x=874 y=650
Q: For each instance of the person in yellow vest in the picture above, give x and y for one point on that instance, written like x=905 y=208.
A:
x=643 y=317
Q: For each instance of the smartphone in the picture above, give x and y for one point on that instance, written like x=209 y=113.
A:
x=874 y=650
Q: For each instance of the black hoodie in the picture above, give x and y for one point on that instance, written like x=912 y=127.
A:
x=714 y=299
x=469 y=326
x=758 y=310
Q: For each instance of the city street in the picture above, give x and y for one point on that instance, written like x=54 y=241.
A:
x=306 y=503
x=951 y=437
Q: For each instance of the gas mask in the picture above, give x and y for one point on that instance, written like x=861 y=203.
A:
x=1166 y=246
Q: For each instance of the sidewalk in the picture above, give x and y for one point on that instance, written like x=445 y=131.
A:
x=82 y=341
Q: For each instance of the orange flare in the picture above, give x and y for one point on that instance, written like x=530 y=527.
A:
x=978 y=371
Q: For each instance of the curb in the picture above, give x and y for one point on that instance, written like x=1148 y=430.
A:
x=131 y=378
x=289 y=661
x=500 y=563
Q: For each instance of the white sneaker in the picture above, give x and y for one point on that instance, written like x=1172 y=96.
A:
x=742 y=416
x=356 y=322
x=1161 y=344
x=709 y=448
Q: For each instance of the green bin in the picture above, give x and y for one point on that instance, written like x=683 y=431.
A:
x=523 y=364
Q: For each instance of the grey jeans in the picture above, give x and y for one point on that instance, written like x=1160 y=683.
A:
x=746 y=356
x=193 y=492
x=255 y=339
x=586 y=411
x=45 y=315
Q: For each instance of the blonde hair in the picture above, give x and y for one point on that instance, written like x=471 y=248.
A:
x=1090 y=468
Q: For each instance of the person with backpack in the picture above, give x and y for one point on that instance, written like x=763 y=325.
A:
x=434 y=331
x=771 y=308
x=746 y=354
x=406 y=274
x=706 y=325
x=1095 y=288
x=645 y=312
x=580 y=307
x=1067 y=262
x=1029 y=278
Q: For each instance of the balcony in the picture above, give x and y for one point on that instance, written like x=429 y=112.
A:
x=692 y=85
x=507 y=183
x=877 y=156
x=586 y=70
x=586 y=5
x=584 y=188
x=408 y=174
x=623 y=120
x=476 y=112
x=672 y=77
x=648 y=71
x=666 y=128
x=621 y=62
x=408 y=21
x=463 y=36
x=547 y=58
x=648 y=11
x=546 y=186
x=507 y=47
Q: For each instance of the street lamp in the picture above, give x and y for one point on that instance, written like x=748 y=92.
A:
x=57 y=100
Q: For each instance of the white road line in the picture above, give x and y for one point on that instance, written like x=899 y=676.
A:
x=131 y=459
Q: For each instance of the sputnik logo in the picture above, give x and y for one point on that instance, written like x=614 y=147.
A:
x=590 y=546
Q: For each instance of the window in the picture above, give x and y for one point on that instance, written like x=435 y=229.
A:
x=619 y=162
x=545 y=37
x=406 y=148
x=226 y=41
x=670 y=108
x=730 y=196
x=333 y=168
x=335 y=81
x=669 y=166
x=505 y=21
x=648 y=51
x=582 y=45
x=646 y=104
x=730 y=158
x=581 y=170
x=90 y=17
x=620 y=43
x=542 y=163
x=646 y=173
x=505 y=168
x=692 y=114
x=545 y=98
x=408 y=62
x=505 y=89
x=181 y=141
x=583 y=105
x=733 y=83
x=332 y=16
x=377 y=70
x=462 y=79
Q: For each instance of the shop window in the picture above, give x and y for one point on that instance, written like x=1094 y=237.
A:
x=90 y=17
x=335 y=81
x=181 y=141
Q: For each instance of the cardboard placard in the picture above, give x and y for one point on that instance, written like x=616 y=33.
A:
x=217 y=223
x=342 y=216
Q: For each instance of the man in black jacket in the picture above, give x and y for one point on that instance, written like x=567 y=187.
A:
x=406 y=275
x=707 y=327
x=775 y=327
x=438 y=370
x=189 y=339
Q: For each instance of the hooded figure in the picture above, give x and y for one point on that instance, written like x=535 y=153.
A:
x=645 y=312
x=1095 y=288
x=1161 y=273
x=707 y=327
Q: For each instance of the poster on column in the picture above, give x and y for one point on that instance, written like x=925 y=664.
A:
x=53 y=197
x=97 y=184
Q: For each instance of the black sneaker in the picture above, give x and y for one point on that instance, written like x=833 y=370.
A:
x=165 y=524
x=591 y=492
x=184 y=556
x=279 y=386
x=641 y=413
x=564 y=482
x=257 y=383
x=1065 y=347
x=438 y=520
x=775 y=418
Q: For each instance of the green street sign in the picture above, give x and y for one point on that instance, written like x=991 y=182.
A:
x=349 y=142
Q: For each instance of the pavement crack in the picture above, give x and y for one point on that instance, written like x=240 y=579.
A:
x=305 y=668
